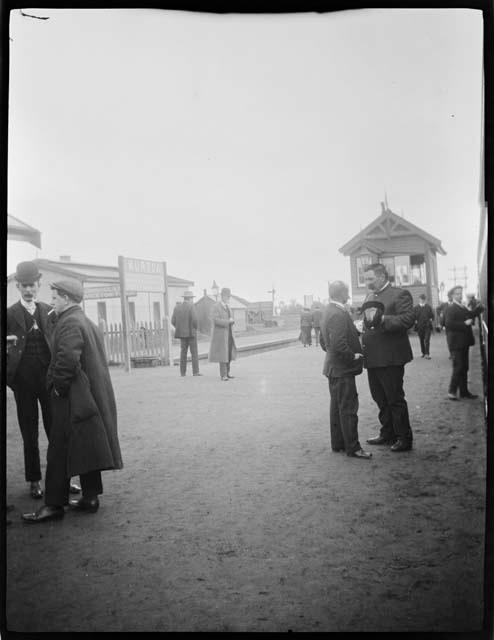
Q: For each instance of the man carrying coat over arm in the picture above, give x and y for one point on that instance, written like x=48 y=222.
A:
x=83 y=437
x=339 y=338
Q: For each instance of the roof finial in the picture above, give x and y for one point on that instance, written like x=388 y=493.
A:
x=386 y=200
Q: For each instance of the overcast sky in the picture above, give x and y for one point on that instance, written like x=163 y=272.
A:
x=244 y=148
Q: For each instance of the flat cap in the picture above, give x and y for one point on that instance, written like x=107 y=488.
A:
x=71 y=288
x=27 y=272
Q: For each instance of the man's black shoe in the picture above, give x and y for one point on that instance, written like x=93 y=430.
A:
x=379 y=440
x=35 y=490
x=360 y=453
x=46 y=512
x=470 y=396
x=85 y=504
x=337 y=449
x=401 y=445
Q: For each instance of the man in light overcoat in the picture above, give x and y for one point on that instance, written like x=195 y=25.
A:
x=223 y=348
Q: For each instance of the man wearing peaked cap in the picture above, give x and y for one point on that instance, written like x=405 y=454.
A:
x=184 y=319
x=83 y=437
x=29 y=329
x=71 y=288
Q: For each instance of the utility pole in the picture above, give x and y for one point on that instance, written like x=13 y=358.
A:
x=459 y=276
x=272 y=292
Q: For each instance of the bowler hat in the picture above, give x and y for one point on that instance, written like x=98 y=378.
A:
x=372 y=304
x=226 y=291
x=188 y=294
x=71 y=288
x=27 y=272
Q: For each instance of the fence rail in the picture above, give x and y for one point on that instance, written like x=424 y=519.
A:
x=147 y=339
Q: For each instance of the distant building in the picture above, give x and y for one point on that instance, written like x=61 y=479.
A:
x=260 y=312
x=102 y=292
x=408 y=252
x=204 y=309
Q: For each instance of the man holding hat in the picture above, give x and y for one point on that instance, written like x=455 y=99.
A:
x=184 y=319
x=223 y=348
x=388 y=315
x=83 y=437
x=29 y=328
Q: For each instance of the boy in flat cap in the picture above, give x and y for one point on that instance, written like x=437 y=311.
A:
x=222 y=348
x=29 y=329
x=184 y=319
x=83 y=438
x=386 y=351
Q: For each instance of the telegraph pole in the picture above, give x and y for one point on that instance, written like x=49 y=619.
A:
x=272 y=292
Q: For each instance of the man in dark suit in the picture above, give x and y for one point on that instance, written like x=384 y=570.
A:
x=83 y=435
x=339 y=338
x=184 y=319
x=459 y=335
x=424 y=317
x=316 y=322
x=386 y=351
x=29 y=327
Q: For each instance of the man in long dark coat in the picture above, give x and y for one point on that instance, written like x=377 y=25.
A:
x=424 y=317
x=83 y=438
x=459 y=335
x=222 y=348
x=386 y=351
x=29 y=327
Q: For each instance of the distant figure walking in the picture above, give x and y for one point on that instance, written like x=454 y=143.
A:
x=459 y=320
x=424 y=317
x=316 y=323
x=184 y=319
x=306 y=327
x=223 y=348
x=344 y=358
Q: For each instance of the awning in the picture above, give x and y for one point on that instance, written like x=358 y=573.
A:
x=18 y=230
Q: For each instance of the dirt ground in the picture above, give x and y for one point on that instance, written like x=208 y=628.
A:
x=233 y=514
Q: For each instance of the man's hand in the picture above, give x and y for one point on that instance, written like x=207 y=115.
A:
x=357 y=356
x=231 y=321
x=469 y=322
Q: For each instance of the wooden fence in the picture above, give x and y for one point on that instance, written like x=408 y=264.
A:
x=147 y=339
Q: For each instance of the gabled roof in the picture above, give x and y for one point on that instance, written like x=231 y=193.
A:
x=95 y=272
x=388 y=225
x=18 y=230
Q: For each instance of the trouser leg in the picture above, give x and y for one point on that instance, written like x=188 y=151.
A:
x=427 y=340
x=57 y=480
x=458 y=373
x=194 y=355
x=344 y=413
x=91 y=484
x=336 y=435
x=392 y=383
x=223 y=369
x=183 y=355
x=45 y=403
x=379 y=396
x=422 y=341
x=28 y=417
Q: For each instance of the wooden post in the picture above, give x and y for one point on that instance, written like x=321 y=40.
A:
x=125 y=313
x=168 y=346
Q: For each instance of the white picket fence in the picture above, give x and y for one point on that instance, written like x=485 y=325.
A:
x=148 y=339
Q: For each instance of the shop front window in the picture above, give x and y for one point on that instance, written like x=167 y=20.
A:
x=402 y=270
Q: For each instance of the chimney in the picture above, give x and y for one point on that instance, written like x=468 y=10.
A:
x=64 y=258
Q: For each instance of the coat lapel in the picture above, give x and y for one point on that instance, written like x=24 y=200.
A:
x=18 y=314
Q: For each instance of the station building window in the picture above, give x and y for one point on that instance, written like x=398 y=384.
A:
x=362 y=261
